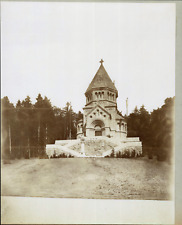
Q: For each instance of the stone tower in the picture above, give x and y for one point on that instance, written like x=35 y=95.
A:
x=101 y=116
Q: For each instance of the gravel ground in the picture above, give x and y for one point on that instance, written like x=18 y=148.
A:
x=103 y=178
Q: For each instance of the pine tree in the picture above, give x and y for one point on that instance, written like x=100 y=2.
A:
x=38 y=108
x=162 y=124
x=44 y=122
x=27 y=109
x=8 y=114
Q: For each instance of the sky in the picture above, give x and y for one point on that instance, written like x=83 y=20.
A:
x=54 y=48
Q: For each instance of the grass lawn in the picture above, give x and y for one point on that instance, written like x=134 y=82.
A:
x=114 y=178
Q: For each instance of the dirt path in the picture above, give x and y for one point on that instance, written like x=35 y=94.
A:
x=88 y=178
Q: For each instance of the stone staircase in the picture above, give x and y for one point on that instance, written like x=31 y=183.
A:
x=62 y=146
x=94 y=147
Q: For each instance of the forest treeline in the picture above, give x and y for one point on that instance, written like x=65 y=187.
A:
x=155 y=129
x=27 y=128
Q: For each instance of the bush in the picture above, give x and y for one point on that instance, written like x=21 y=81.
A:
x=126 y=154
x=132 y=153
x=118 y=155
x=62 y=155
x=112 y=154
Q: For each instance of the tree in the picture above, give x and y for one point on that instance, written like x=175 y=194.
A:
x=58 y=125
x=79 y=116
x=139 y=124
x=144 y=128
x=69 y=122
x=48 y=120
x=133 y=123
x=28 y=128
x=162 y=124
x=27 y=110
x=44 y=117
x=8 y=114
x=19 y=129
x=38 y=108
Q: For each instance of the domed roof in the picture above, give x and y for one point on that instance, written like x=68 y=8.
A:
x=101 y=80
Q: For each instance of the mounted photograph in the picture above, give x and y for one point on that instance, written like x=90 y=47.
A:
x=88 y=100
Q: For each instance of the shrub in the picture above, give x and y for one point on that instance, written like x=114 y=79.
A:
x=118 y=155
x=112 y=154
x=54 y=156
x=126 y=154
x=132 y=153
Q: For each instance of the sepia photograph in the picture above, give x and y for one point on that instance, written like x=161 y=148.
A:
x=88 y=102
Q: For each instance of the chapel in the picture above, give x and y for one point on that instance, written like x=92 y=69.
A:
x=100 y=114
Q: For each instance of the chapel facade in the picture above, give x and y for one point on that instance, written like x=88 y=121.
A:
x=100 y=114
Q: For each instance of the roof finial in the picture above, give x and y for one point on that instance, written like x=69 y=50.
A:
x=101 y=61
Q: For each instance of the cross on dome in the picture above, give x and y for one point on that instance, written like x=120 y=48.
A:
x=101 y=61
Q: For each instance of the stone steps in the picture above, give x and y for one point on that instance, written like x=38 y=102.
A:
x=94 y=147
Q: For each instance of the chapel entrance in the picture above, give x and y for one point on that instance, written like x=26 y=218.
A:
x=98 y=130
x=99 y=127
